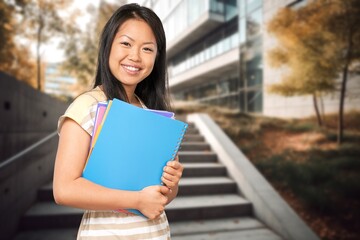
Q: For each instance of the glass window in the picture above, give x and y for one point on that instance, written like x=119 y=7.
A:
x=195 y=9
x=219 y=48
x=242 y=100
x=227 y=44
x=223 y=87
x=213 y=51
x=234 y=39
x=233 y=84
x=231 y=9
x=217 y=6
x=207 y=54
x=202 y=56
x=216 y=43
x=254 y=101
x=253 y=23
x=254 y=71
x=242 y=8
x=251 y=5
x=242 y=31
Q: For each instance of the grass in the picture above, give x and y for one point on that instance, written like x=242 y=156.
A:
x=302 y=161
x=325 y=180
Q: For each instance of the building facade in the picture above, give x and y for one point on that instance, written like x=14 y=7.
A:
x=57 y=83
x=216 y=55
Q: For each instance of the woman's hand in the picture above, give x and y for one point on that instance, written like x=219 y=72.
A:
x=171 y=177
x=152 y=201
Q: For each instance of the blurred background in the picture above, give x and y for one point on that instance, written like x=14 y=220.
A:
x=281 y=78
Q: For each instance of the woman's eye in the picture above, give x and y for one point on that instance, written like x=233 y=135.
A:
x=125 y=44
x=148 y=50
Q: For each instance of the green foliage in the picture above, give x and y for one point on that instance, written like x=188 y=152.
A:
x=302 y=50
x=301 y=127
x=40 y=22
x=15 y=58
x=324 y=180
x=82 y=50
x=29 y=21
x=312 y=43
x=317 y=44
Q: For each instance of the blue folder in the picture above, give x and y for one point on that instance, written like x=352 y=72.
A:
x=133 y=147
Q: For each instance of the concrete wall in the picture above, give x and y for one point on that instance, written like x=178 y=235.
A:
x=20 y=179
x=302 y=106
x=28 y=143
x=26 y=115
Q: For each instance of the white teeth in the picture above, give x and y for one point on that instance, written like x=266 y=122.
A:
x=130 y=68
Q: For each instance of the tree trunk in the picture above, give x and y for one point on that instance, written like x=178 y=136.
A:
x=322 y=110
x=348 y=57
x=318 y=116
x=38 y=62
x=38 y=57
x=341 y=106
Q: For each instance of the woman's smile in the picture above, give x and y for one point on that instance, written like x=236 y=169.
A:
x=131 y=69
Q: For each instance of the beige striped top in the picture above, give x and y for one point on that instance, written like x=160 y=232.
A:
x=108 y=225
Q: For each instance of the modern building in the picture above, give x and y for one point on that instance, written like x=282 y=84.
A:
x=216 y=55
x=57 y=83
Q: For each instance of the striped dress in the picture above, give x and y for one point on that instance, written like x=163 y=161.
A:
x=109 y=225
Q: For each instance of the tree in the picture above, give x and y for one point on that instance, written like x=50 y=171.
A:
x=40 y=22
x=317 y=44
x=82 y=50
x=15 y=58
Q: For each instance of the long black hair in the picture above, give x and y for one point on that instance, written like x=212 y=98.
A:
x=153 y=90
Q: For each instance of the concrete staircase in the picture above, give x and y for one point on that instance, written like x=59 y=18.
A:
x=208 y=206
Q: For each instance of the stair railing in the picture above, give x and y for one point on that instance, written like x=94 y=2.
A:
x=20 y=177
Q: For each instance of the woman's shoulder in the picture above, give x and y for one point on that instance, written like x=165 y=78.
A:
x=83 y=108
x=94 y=95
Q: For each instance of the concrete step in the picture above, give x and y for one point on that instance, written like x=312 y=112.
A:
x=193 y=138
x=208 y=207
x=192 y=131
x=197 y=157
x=179 y=230
x=206 y=186
x=191 y=125
x=44 y=215
x=187 y=186
x=46 y=234
x=214 y=226
x=194 y=146
x=251 y=234
x=204 y=169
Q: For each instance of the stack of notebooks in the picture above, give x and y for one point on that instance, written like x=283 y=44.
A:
x=130 y=146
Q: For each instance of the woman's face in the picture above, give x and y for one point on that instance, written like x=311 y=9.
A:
x=133 y=53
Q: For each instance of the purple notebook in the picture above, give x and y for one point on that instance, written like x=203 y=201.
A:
x=101 y=109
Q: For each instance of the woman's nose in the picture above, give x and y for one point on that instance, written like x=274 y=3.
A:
x=134 y=55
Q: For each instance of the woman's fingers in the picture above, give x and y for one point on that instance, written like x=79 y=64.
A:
x=172 y=173
x=153 y=201
x=174 y=164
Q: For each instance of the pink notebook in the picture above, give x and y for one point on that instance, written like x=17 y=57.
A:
x=101 y=108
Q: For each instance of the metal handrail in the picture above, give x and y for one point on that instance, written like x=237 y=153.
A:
x=27 y=150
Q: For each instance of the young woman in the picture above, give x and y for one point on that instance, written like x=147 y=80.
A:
x=131 y=67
